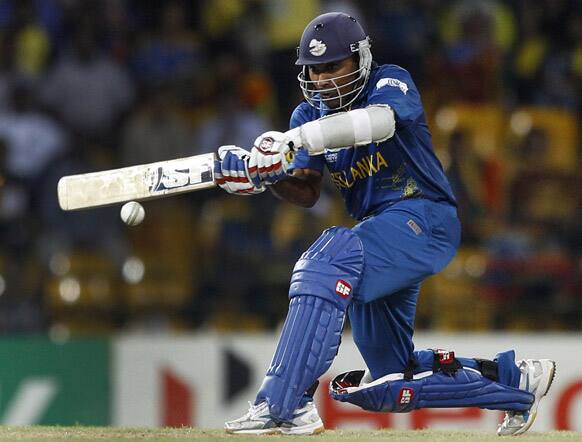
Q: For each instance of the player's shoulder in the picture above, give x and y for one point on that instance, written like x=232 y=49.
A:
x=303 y=113
x=391 y=69
x=391 y=75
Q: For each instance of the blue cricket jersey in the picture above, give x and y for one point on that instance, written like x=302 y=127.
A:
x=373 y=177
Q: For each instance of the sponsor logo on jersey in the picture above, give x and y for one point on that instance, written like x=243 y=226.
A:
x=410 y=189
x=330 y=156
x=392 y=82
x=363 y=168
x=317 y=47
x=343 y=288
x=415 y=227
x=405 y=396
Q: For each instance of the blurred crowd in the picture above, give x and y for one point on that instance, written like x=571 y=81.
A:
x=88 y=85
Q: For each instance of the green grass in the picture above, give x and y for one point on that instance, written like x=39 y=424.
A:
x=108 y=434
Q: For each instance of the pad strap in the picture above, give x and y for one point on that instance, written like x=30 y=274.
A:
x=488 y=368
x=411 y=365
x=445 y=362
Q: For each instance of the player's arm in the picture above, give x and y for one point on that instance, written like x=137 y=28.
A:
x=267 y=163
x=372 y=124
x=302 y=187
x=359 y=127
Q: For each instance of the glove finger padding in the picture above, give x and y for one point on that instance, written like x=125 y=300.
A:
x=254 y=167
x=231 y=173
x=268 y=157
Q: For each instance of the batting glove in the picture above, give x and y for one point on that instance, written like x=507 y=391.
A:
x=268 y=162
x=231 y=172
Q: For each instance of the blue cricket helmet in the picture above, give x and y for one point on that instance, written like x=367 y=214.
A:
x=331 y=37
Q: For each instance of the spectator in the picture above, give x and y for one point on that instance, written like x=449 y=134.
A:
x=403 y=33
x=15 y=236
x=470 y=67
x=284 y=22
x=119 y=39
x=33 y=139
x=30 y=28
x=561 y=73
x=87 y=89
x=155 y=131
x=234 y=122
x=529 y=56
x=465 y=175
x=172 y=53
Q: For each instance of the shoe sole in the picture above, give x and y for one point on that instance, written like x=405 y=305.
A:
x=533 y=412
x=270 y=431
x=305 y=430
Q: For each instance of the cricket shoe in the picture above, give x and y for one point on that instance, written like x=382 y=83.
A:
x=536 y=377
x=258 y=420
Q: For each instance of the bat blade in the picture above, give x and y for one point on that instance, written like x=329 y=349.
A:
x=136 y=183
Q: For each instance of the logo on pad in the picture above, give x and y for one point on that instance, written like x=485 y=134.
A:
x=445 y=357
x=405 y=396
x=343 y=288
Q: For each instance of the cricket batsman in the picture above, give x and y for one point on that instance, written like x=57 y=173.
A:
x=365 y=122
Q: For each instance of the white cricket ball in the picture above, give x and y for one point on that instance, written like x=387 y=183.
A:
x=132 y=213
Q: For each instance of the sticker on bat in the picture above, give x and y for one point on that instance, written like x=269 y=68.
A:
x=160 y=179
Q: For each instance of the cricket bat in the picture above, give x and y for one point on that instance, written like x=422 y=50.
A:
x=142 y=182
x=136 y=183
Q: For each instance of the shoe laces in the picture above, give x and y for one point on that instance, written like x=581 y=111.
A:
x=254 y=409
x=514 y=418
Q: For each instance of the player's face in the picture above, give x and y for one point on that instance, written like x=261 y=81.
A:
x=334 y=79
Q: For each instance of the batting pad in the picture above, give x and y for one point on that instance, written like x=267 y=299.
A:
x=465 y=388
x=307 y=346
x=321 y=290
x=331 y=268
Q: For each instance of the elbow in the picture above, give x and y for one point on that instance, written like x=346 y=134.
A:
x=308 y=203
x=309 y=200
x=382 y=122
x=306 y=200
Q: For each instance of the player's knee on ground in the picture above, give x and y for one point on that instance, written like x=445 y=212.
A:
x=448 y=383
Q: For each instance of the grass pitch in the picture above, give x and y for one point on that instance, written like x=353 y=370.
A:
x=108 y=434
